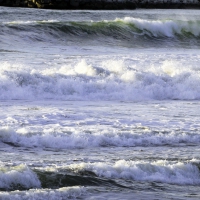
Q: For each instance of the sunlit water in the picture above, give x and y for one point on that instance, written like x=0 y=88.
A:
x=99 y=104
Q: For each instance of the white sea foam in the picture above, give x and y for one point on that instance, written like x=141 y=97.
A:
x=168 y=28
x=44 y=194
x=107 y=80
x=29 y=22
x=95 y=136
x=18 y=175
x=159 y=171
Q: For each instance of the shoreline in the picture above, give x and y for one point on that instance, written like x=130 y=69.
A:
x=103 y=4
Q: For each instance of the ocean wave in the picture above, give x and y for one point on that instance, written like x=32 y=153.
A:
x=74 y=139
x=156 y=28
x=65 y=179
x=164 y=28
x=122 y=28
x=18 y=177
x=156 y=171
x=108 y=80
x=159 y=171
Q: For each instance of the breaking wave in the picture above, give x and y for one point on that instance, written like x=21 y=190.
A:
x=108 y=80
x=18 y=177
x=86 y=139
x=66 y=179
x=158 y=171
x=125 y=29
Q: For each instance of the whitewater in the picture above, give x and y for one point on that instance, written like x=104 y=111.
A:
x=99 y=104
